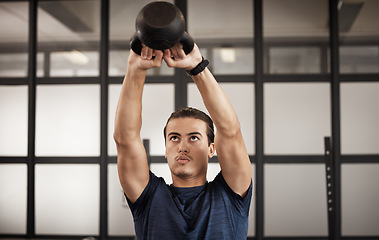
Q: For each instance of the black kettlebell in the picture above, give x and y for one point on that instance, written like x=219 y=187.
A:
x=160 y=25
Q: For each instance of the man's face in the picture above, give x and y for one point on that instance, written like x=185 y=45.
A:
x=187 y=149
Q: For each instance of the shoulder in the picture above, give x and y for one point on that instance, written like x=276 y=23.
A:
x=236 y=199
x=155 y=184
x=226 y=201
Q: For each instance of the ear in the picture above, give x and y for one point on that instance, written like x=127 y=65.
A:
x=212 y=150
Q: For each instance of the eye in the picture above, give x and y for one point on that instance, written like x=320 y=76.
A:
x=194 y=138
x=174 y=138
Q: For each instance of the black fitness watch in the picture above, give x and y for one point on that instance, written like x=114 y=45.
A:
x=199 y=68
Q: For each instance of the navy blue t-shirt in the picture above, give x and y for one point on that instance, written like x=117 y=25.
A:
x=211 y=211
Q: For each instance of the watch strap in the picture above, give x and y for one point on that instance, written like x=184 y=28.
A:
x=199 y=68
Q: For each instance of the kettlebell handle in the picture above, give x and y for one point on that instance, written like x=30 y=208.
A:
x=186 y=40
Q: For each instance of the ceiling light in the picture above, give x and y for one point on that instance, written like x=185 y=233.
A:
x=228 y=55
x=76 y=57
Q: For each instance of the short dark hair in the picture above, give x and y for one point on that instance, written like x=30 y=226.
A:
x=193 y=113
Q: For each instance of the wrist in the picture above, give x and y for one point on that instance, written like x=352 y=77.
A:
x=198 y=68
x=136 y=72
x=193 y=65
x=136 y=66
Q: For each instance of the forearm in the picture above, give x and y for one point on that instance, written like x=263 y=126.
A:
x=128 y=120
x=217 y=103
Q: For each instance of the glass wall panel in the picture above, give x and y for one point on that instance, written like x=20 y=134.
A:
x=230 y=60
x=215 y=19
x=15 y=64
x=157 y=105
x=227 y=27
x=69 y=34
x=359 y=59
x=123 y=15
x=295 y=200
x=67 y=199
x=297 y=117
x=74 y=63
x=13 y=188
x=301 y=24
x=359 y=36
x=285 y=60
x=68 y=120
x=360 y=199
x=359 y=118
x=241 y=96
x=120 y=219
x=13 y=120
x=118 y=61
x=14 y=18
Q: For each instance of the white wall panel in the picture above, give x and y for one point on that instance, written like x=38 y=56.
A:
x=13 y=188
x=13 y=120
x=68 y=120
x=67 y=199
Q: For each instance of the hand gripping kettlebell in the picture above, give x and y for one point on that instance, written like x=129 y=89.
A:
x=160 y=25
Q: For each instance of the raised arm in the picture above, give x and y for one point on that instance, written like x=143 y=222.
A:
x=230 y=147
x=132 y=163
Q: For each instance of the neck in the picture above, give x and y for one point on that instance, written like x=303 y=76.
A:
x=188 y=181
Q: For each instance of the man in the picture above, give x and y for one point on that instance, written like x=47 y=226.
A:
x=191 y=208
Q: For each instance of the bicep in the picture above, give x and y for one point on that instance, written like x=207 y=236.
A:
x=234 y=161
x=133 y=169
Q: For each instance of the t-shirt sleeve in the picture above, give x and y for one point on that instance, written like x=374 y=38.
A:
x=139 y=206
x=241 y=204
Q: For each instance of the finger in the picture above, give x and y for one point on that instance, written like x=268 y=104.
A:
x=144 y=52
x=179 y=52
x=174 y=53
x=167 y=53
x=168 y=58
x=157 y=61
x=149 y=53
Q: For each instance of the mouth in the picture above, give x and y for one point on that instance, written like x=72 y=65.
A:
x=183 y=159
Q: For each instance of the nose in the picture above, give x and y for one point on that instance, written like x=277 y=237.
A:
x=183 y=148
